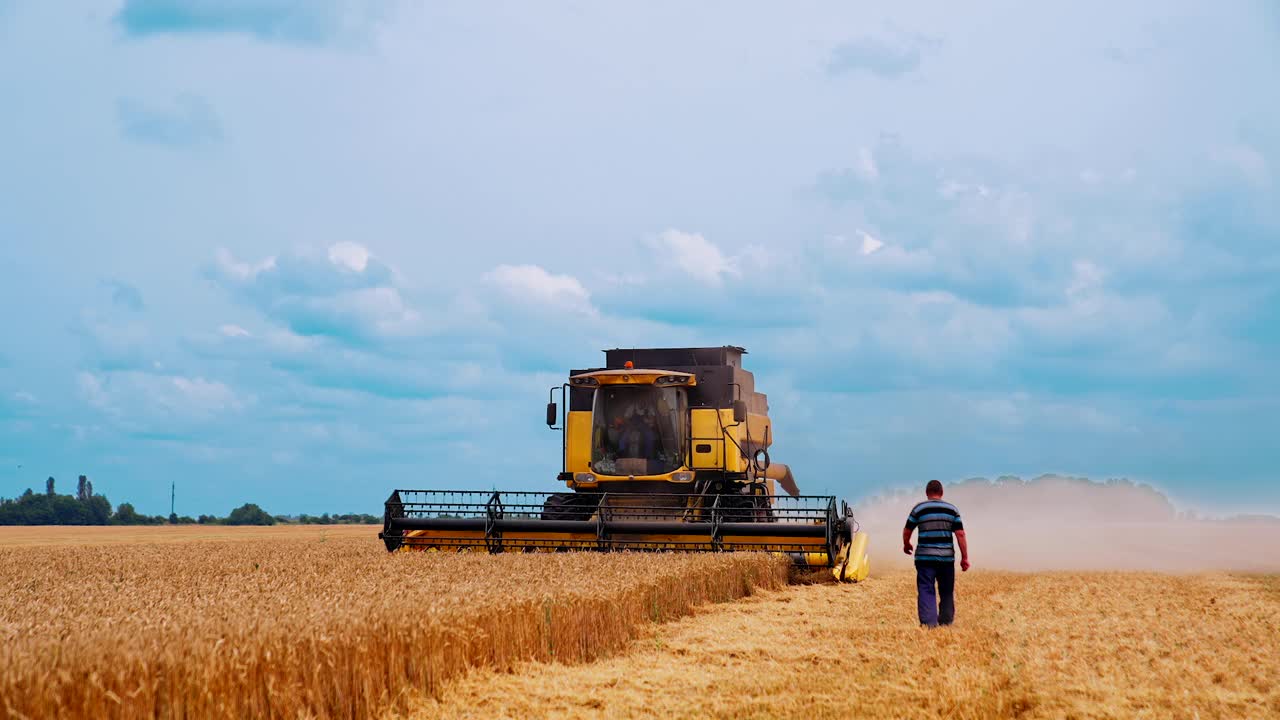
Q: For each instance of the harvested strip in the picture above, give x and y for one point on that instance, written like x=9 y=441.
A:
x=328 y=629
x=1046 y=645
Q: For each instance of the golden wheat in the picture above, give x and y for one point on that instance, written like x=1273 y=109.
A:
x=339 y=628
x=35 y=535
x=1043 y=645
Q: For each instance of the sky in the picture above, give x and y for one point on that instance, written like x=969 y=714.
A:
x=303 y=252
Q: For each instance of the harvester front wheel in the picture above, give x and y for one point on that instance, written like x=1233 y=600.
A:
x=568 y=506
x=745 y=508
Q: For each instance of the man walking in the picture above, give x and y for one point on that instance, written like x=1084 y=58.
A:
x=935 y=557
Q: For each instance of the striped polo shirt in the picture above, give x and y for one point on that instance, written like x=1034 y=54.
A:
x=937 y=521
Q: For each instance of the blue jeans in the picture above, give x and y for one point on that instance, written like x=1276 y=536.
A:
x=940 y=608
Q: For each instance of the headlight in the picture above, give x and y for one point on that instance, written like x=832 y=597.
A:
x=584 y=381
x=587 y=478
x=682 y=476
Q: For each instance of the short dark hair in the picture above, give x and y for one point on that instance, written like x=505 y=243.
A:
x=933 y=488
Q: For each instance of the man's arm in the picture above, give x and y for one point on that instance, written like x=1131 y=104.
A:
x=964 y=550
x=906 y=539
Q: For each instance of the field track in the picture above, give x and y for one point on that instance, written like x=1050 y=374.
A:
x=1057 y=645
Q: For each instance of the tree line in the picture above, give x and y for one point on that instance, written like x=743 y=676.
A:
x=88 y=508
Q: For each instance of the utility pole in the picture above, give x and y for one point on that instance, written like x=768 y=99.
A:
x=173 y=492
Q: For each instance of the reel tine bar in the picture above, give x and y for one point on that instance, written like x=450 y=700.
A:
x=500 y=521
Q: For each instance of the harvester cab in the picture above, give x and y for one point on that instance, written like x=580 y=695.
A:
x=661 y=449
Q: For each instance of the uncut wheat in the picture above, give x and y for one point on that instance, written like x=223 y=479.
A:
x=288 y=628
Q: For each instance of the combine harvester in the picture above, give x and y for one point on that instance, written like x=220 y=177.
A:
x=662 y=449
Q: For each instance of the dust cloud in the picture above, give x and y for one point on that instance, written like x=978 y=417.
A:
x=1064 y=523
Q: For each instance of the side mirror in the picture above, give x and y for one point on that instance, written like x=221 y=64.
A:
x=552 y=415
x=739 y=411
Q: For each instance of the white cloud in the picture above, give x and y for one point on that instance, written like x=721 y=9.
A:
x=113 y=340
x=346 y=293
x=871 y=254
x=938 y=331
x=1245 y=160
x=200 y=395
x=869 y=243
x=241 y=270
x=230 y=330
x=349 y=255
x=381 y=308
x=1000 y=410
x=1134 y=330
x=695 y=255
x=91 y=389
x=532 y=283
x=952 y=189
x=866 y=167
x=289 y=342
x=152 y=399
x=622 y=279
x=759 y=257
x=1086 y=278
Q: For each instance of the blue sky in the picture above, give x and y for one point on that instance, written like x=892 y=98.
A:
x=300 y=253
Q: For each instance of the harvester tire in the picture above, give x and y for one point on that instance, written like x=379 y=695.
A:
x=568 y=506
x=746 y=508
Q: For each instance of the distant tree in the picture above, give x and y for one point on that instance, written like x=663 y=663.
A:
x=356 y=519
x=66 y=510
x=126 y=515
x=339 y=519
x=85 y=508
x=99 y=509
x=250 y=514
x=32 y=509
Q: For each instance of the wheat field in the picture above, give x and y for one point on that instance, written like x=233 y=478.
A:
x=324 y=625
x=19 y=535
x=322 y=622
x=1025 y=645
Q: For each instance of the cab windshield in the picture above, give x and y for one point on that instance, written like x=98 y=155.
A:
x=637 y=430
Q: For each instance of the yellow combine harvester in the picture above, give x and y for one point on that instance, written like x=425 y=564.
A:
x=662 y=449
